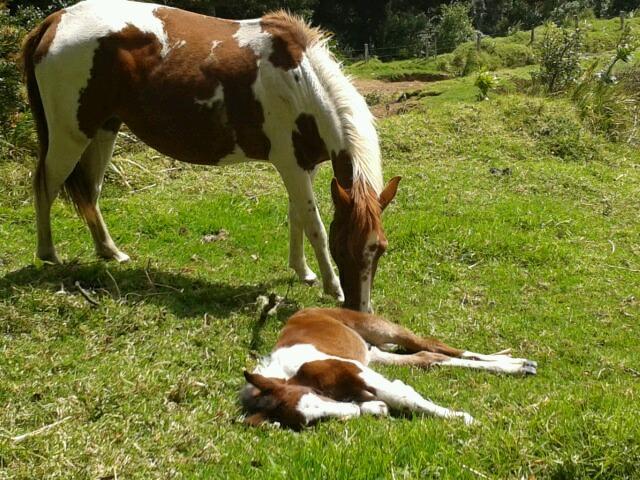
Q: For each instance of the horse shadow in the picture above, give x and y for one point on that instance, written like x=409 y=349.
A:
x=184 y=295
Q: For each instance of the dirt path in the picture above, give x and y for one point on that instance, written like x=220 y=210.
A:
x=385 y=98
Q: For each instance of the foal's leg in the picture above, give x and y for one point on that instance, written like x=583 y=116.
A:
x=301 y=199
x=90 y=171
x=401 y=396
x=494 y=363
x=426 y=350
x=62 y=156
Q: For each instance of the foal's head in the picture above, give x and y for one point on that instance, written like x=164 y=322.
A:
x=356 y=238
x=276 y=400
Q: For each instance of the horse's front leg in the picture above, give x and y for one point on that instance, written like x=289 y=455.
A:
x=304 y=215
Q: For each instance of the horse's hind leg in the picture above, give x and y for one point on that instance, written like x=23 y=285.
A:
x=61 y=157
x=85 y=185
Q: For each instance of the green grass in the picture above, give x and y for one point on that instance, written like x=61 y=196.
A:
x=514 y=226
x=544 y=259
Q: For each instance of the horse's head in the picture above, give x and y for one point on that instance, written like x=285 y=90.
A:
x=356 y=238
x=276 y=400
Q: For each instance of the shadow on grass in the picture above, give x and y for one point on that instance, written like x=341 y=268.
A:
x=184 y=295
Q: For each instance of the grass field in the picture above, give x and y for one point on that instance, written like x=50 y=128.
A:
x=514 y=227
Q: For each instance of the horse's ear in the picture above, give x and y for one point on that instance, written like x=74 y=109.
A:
x=339 y=195
x=262 y=383
x=389 y=192
x=255 y=420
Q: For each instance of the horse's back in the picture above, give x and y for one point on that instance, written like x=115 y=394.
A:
x=189 y=85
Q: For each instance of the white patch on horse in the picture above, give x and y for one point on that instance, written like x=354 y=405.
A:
x=399 y=395
x=312 y=407
x=212 y=54
x=492 y=363
x=218 y=96
x=250 y=35
x=179 y=44
x=285 y=362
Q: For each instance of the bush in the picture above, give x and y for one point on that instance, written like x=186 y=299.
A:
x=485 y=81
x=455 y=26
x=559 y=55
x=492 y=55
x=16 y=132
x=612 y=109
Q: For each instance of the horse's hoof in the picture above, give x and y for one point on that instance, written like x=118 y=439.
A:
x=50 y=258
x=117 y=255
x=335 y=290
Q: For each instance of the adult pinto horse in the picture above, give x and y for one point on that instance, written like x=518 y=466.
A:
x=208 y=91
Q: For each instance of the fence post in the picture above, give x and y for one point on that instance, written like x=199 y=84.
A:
x=576 y=21
x=533 y=35
x=478 y=39
x=426 y=47
x=366 y=52
x=621 y=19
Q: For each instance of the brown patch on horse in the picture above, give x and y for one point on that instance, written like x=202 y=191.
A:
x=274 y=399
x=47 y=32
x=342 y=164
x=157 y=96
x=308 y=146
x=290 y=37
x=325 y=333
x=336 y=379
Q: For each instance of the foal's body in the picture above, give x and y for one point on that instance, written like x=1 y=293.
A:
x=319 y=368
x=208 y=91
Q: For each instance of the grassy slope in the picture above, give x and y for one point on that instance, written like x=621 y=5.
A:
x=544 y=259
x=600 y=38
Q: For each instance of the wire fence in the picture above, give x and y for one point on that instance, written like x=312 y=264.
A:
x=423 y=47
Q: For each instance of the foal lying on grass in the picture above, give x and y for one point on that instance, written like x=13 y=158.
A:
x=319 y=369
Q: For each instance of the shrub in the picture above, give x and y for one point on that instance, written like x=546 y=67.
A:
x=16 y=132
x=559 y=55
x=612 y=109
x=455 y=26
x=492 y=55
x=485 y=81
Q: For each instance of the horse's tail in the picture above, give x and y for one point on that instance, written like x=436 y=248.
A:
x=29 y=60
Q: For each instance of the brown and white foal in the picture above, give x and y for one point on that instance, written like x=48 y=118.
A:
x=319 y=369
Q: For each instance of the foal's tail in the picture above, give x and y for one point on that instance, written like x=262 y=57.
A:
x=29 y=60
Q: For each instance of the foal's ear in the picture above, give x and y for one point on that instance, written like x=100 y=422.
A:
x=339 y=195
x=262 y=383
x=389 y=192
x=255 y=419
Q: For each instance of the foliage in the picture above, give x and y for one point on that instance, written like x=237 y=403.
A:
x=611 y=108
x=455 y=26
x=485 y=81
x=559 y=55
x=16 y=133
x=492 y=56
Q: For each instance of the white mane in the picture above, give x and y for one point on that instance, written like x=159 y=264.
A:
x=358 y=125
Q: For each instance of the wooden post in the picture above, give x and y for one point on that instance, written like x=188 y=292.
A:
x=621 y=20
x=426 y=47
x=533 y=35
x=478 y=39
x=366 y=52
x=576 y=21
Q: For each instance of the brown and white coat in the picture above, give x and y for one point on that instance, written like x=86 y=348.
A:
x=208 y=91
x=319 y=369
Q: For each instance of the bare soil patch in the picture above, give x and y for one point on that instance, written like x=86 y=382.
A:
x=391 y=98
